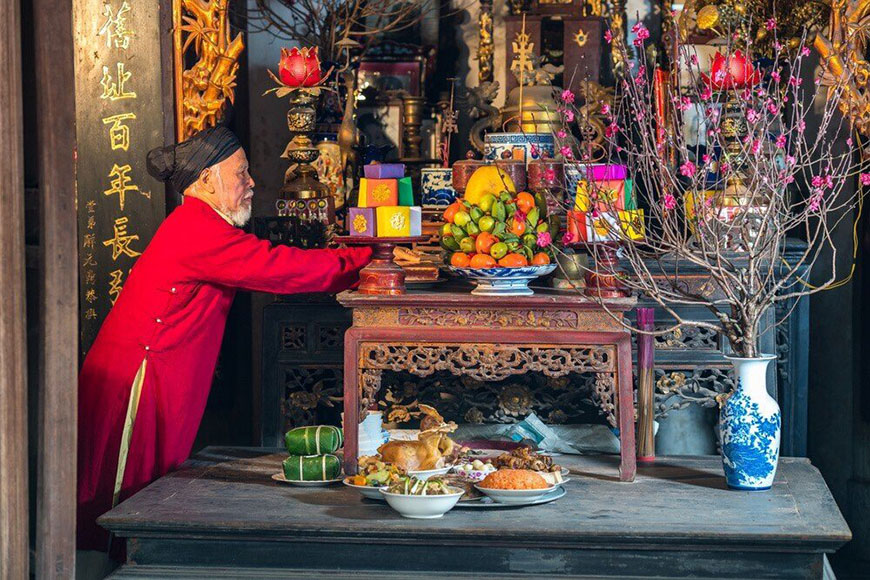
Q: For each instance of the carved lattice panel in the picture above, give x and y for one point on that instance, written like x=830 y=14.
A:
x=567 y=399
x=293 y=338
x=486 y=362
x=688 y=338
x=679 y=388
x=329 y=337
x=311 y=396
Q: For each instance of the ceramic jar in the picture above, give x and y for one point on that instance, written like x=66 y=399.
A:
x=436 y=186
x=749 y=424
x=518 y=146
x=516 y=170
x=462 y=171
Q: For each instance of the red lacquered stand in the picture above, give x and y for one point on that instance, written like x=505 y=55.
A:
x=382 y=276
x=603 y=280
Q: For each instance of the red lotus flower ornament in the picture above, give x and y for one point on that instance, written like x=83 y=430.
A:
x=299 y=67
x=733 y=71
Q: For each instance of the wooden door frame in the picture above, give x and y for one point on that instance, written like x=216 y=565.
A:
x=58 y=276
x=14 y=555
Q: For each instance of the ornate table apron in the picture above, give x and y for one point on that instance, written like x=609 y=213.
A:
x=455 y=332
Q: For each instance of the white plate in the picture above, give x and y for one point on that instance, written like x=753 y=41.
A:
x=513 y=496
x=423 y=507
x=279 y=477
x=488 y=503
x=426 y=474
x=366 y=491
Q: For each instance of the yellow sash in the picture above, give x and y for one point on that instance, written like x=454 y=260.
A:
x=127 y=434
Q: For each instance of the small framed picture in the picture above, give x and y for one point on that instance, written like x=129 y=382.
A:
x=386 y=79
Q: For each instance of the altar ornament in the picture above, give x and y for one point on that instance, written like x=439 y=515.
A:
x=733 y=71
x=462 y=172
x=519 y=146
x=741 y=258
x=487 y=117
x=844 y=60
x=515 y=168
x=299 y=67
x=202 y=90
x=485 y=45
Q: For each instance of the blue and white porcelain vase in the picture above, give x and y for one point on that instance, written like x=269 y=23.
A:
x=749 y=423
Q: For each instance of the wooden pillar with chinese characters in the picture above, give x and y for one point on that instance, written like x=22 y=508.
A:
x=119 y=204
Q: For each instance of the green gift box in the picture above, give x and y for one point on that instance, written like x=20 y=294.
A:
x=406 y=194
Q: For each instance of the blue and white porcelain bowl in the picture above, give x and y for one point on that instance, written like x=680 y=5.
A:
x=518 y=146
x=503 y=281
x=436 y=186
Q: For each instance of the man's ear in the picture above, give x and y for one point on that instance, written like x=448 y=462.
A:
x=205 y=178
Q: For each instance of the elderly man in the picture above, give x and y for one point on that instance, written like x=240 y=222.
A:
x=144 y=384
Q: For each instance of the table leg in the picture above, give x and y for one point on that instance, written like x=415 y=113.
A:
x=351 y=402
x=625 y=409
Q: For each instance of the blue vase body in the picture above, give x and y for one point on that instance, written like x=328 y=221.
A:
x=750 y=424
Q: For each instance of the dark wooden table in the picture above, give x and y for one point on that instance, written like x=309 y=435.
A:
x=221 y=516
x=489 y=338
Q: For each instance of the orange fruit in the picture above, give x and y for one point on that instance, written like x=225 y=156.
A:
x=484 y=242
x=518 y=227
x=482 y=261
x=540 y=259
x=459 y=260
x=525 y=201
x=451 y=211
x=513 y=261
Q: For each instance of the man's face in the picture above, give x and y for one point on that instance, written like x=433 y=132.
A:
x=233 y=187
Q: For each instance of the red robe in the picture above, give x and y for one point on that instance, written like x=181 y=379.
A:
x=172 y=311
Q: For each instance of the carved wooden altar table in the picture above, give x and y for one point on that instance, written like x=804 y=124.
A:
x=489 y=339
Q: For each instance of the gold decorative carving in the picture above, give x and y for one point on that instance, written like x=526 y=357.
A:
x=499 y=318
x=605 y=393
x=485 y=47
x=202 y=90
x=843 y=59
x=486 y=362
x=581 y=38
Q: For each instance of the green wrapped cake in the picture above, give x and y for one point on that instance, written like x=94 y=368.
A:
x=312 y=467
x=313 y=440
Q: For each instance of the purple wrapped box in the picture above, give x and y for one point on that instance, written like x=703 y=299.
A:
x=384 y=170
x=605 y=172
x=362 y=221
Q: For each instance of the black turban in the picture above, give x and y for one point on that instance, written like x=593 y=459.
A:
x=181 y=164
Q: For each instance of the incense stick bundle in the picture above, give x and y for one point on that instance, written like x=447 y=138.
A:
x=646 y=450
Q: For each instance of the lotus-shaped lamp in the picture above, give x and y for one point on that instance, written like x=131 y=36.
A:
x=299 y=67
x=733 y=71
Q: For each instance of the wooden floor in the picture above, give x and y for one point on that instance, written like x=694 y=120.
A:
x=222 y=516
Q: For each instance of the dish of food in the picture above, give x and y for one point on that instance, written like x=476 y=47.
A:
x=366 y=491
x=489 y=503
x=475 y=470
x=514 y=479
x=525 y=458
x=460 y=481
x=407 y=485
x=421 y=499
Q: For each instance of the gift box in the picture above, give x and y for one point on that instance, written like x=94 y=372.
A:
x=605 y=172
x=603 y=227
x=607 y=195
x=631 y=223
x=406 y=194
x=362 y=221
x=399 y=221
x=384 y=170
x=577 y=226
x=378 y=192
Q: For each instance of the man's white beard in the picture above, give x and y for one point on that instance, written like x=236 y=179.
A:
x=239 y=216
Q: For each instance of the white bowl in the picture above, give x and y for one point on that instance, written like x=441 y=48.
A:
x=426 y=474
x=365 y=490
x=422 y=507
x=515 y=495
